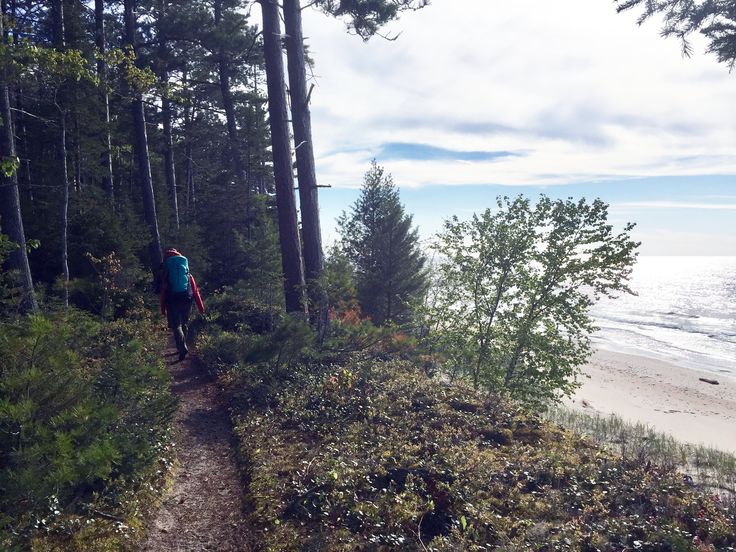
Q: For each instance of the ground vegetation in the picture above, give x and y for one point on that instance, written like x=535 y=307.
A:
x=358 y=447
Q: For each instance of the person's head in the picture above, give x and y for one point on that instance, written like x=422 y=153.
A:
x=171 y=252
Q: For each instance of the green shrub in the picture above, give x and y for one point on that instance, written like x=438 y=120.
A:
x=85 y=412
x=375 y=455
x=114 y=291
x=238 y=308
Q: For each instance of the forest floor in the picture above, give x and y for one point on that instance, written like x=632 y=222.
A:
x=203 y=509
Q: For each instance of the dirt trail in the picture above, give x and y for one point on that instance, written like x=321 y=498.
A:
x=203 y=510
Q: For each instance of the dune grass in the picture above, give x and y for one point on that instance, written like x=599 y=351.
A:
x=713 y=470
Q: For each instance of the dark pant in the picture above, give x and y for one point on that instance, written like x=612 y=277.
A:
x=177 y=314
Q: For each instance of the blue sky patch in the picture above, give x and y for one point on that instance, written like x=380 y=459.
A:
x=675 y=215
x=424 y=152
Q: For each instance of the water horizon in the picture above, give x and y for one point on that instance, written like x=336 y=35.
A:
x=684 y=313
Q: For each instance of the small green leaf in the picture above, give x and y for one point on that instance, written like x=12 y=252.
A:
x=9 y=165
x=463 y=523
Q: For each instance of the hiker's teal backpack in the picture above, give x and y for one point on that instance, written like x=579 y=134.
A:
x=177 y=271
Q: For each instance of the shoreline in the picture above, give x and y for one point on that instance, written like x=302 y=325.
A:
x=665 y=396
x=706 y=366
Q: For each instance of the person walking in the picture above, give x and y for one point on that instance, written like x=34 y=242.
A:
x=178 y=291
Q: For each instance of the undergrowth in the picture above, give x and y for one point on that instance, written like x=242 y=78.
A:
x=85 y=416
x=352 y=446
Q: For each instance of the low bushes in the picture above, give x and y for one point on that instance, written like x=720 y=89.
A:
x=85 y=412
x=351 y=446
x=375 y=454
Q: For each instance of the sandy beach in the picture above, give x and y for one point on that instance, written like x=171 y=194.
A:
x=669 y=398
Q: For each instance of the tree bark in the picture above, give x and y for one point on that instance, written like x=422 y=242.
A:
x=57 y=10
x=20 y=122
x=302 y=125
x=141 y=147
x=77 y=149
x=146 y=182
x=521 y=341
x=191 y=199
x=188 y=123
x=486 y=330
x=291 y=257
x=169 y=169
x=22 y=132
x=11 y=221
x=106 y=157
x=65 y=207
x=232 y=129
x=228 y=105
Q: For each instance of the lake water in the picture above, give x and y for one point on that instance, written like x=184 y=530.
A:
x=685 y=313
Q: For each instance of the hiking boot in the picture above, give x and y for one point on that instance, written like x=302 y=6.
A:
x=182 y=355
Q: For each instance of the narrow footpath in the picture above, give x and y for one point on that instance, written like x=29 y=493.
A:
x=203 y=509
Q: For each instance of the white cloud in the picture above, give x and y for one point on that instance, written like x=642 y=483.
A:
x=583 y=91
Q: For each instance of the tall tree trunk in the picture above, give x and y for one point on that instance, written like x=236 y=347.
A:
x=141 y=147
x=301 y=122
x=228 y=104
x=57 y=10
x=20 y=121
x=65 y=207
x=77 y=148
x=232 y=129
x=189 y=170
x=11 y=221
x=190 y=180
x=169 y=169
x=146 y=182
x=22 y=132
x=291 y=257
x=106 y=157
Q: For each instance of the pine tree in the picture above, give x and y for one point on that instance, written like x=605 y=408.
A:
x=170 y=82
x=378 y=238
x=716 y=21
x=366 y=17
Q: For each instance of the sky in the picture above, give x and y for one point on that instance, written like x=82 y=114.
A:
x=479 y=98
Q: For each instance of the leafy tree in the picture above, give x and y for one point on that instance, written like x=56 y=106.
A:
x=378 y=238
x=510 y=305
x=714 y=19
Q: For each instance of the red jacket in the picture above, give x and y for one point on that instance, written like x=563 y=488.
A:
x=195 y=292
